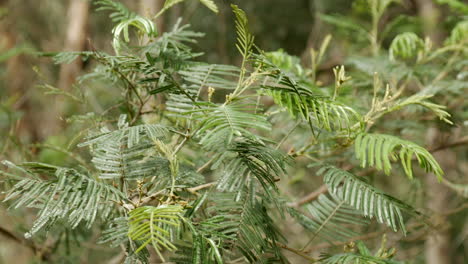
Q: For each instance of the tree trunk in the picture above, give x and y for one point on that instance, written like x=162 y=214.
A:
x=149 y=8
x=430 y=18
x=78 y=13
x=438 y=243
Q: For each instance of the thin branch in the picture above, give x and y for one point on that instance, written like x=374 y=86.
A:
x=200 y=187
x=456 y=210
x=310 y=197
x=63 y=151
x=204 y=166
x=342 y=243
x=367 y=236
x=19 y=240
x=460 y=142
x=177 y=149
x=297 y=252
x=287 y=135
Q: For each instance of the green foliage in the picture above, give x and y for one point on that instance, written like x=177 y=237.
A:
x=378 y=150
x=170 y=3
x=359 y=253
x=153 y=225
x=190 y=157
x=245 y=223
x=245 y=40
x=459 y=34
x=365 y=198
x=119 y=12
x=70 y=196
x=115 y=152
x=253 y=158
x=406 y=46
x=329 y=215
x=300 y=100
x=455 y=5
x=224 y=122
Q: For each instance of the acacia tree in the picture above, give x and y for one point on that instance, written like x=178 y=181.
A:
x=200 y=181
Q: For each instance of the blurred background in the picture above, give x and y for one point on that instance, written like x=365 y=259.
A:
x=33 y=124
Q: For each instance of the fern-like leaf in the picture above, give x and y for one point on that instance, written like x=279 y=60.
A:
x=70 y=195
x=300 y=101
x=124 y=19
x=406 y=46
x=245 y=40
x=210 y=4
x=211 y=75
x=225 y=122
x=244 y=224
x=154 y=225
x=115 y=152
x=328 y=215
x=378 y=150
x=252 y=159
x=119 y=12
x=363 y=197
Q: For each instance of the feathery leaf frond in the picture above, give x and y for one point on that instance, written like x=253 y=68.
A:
x=70 y=195
x=406 y=46
x=365 y=198
x=124 y=19
x=225 y=122
x=211 y=75
x=328 y=215
x=252 y=159
x=377 y=150
x=299 y=100
x=148 y=224
x=362 y=255
x=119 y=12
x=244 y=224
x=245 y=40
x=115 y=152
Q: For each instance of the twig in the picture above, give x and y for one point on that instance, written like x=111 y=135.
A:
x=200 y=187
x=310 y=197
x=19 y=240
x=297 y=252
x=456 y=210
x=460 y=142
x=287 y=135
x=204 y=166
x=63 y=151
x=181 y=144
x=361 y=237
x=342 y=243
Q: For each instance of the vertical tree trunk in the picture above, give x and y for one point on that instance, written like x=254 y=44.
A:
x=438 y=243
x=75 y=40
x=430 y=18
x=223 y=33
x=78 y=13
x=149 y=8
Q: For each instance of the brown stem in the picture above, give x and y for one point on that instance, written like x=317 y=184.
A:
x=20 y=240
x=460 y=142
x=297 y=252
x=200 y=187
x=310 y=197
